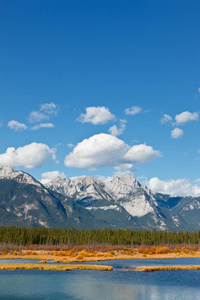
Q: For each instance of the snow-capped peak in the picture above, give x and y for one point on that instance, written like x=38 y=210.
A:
x=129 y=180
x=7 y=172
x=136 y=199
x=79 y=188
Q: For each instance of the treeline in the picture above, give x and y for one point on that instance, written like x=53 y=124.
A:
x=46 y=236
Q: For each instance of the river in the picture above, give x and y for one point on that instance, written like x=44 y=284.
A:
x=123 y=283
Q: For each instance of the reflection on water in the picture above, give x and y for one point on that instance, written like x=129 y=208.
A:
x=19 y=261
x=90 y=285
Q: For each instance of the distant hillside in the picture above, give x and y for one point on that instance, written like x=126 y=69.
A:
x=85 y=203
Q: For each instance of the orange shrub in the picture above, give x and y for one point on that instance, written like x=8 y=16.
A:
x=177 y=250
x=84 y=252
x=108 y=255
x=79 y=256
x=141 y=250
x=15 y=253
x=70 y=252
x=99 y=254
x=162 y=250
x=30 y=253
x=62 y=253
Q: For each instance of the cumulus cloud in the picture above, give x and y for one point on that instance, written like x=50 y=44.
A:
x=70 y=145
x=104 y=178
x=103 y=150
x=176 y=133
x=141 y=154
x=185 y=117
x=45 y=111
x=96 y=115
x=30 y=156
x=15 y=125
x=42 y=125
x=179 y=187
x=37 y=116
x=49 y=176
x=134 y=110
x=114 y=130
x=166 y=119
x=49 y=108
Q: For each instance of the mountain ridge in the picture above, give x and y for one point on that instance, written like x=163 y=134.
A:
x=86 y=202
x=148 y=208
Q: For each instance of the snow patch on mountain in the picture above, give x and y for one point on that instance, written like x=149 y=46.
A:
x=79 y=188
x=135 y=198
x=138 y=207
x=195 y=204
x=21 y=177
x=115 y=207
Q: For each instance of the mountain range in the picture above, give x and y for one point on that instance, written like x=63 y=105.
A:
x=86 y=202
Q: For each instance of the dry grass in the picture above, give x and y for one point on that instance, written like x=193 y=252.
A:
x=74 y=255
x=54 y=267
x=167 y=268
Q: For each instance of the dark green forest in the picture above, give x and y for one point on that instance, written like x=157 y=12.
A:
x=46 y=236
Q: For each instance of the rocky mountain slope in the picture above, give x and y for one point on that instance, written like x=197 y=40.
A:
x=124 y=202
x=86 y=202
x=26 y=202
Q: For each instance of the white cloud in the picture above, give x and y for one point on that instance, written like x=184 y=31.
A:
x=114 y=130
x=185 y=117
x=31 y=156
x=49 y=176
x=102 y=150
x=134 y=110
x=70 y=145
x=46 y=111
x=123 y=121
x=15 y=125
x=166 y=119
x=75 y=177
x=49 y=108
x=179 y=187
x=141 y=154
x=96 y=115
x=176 y=133
x=37 y=116
x=42 y=125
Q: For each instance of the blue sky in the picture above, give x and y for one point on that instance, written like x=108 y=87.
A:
x=83 y=67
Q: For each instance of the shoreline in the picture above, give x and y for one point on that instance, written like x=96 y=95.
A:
x=47 y=267
x=103 y=257
x=168 y=268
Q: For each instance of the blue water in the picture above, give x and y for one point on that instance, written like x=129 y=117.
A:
x=101 y=285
